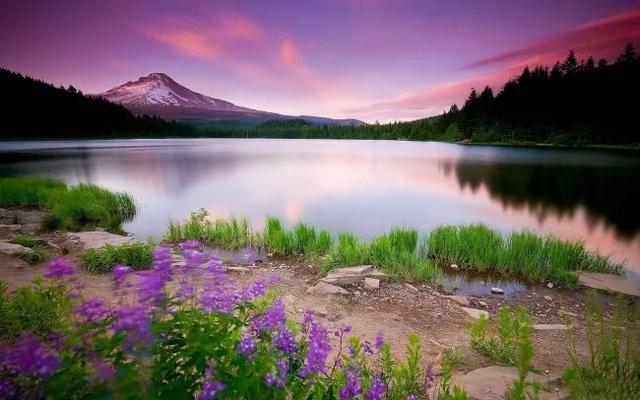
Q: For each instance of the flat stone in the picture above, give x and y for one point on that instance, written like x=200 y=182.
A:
x=550 y=285
x=10 y=228
x=568 y=313
x=497 y=290
x=353 y=275
x=461 y=300
x=97 y=239
x=550 y=327
x=411 y=287
x=475 y=313
x=609 y=282
x=492 y=383
x=13 y=249
x=483 y=303
x=371 y=283
x=454 y=267
x=548 y=298
x=323 y=288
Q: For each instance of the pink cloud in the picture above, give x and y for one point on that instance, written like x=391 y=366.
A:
x=289 y=54
x=603 y=37
x=187 y=42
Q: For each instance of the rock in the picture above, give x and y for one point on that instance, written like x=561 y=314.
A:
x=497 y=290
x=550 y=327
x=289 y=302
x=548 y=298
x=475 y=313
x=371 y=283
x=13 y=249
x=550 y=285
x=323 y=288
x=454 y=267
x=568 y=313
x=9 y=228
x=483 y=303
x=352 y=275
x=461 y=300
x=609 y=282
x=411 y=287
x=97 y=239
x=492 y=383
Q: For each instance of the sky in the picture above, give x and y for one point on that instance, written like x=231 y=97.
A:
x=376 y=60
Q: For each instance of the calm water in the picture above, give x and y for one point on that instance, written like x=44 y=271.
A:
x=365 y=187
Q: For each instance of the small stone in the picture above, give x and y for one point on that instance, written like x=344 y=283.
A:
x=475 y=313
x=550 y=285
x=461 y=300
x=371 y=283
x=454 y=267
x=323 y=288
x=497 y=290
x=238 y=269
x=483 y=303
x=13 y=249
x=411 y=287
x=548 y=298
x=550 y=327
x=568 y=313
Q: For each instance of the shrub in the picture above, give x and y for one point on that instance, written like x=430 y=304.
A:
x=136 y=255
x=611 y=369
x=34 y=256
x=205 y=339
x=41 y=309
x=513 y=331
x=454 y=357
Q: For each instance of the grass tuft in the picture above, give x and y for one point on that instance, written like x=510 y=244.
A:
x=524 y=254
x=135 y=255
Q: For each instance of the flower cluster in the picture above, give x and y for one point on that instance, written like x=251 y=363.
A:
x=59 y=269
x=92 y=311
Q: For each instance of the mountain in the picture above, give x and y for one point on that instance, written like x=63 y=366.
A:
x=158 y=94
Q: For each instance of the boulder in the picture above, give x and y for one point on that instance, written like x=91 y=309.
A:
x=609 y=282
x=323 y=288
x=97 y=239
x=496 y=290
x=475 y=313
x=13 y=249
x=461 y=300
x=371 y=283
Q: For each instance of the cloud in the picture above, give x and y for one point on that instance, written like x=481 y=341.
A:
x=187 y=42
x=603 y=37
x=289 y=54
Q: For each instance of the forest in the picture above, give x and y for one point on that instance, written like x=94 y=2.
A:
x=574 y=102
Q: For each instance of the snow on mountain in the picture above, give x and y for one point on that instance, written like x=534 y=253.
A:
x=158 y=94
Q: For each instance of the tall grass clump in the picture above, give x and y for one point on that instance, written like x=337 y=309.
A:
x=611 y=368
x=77 y=207
x=396 y=252
x=135 y=255
x=525 y=254
x=206 y=340
x=28 y=191
x=232 y=233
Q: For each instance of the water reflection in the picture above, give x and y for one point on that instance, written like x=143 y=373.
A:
x=361 y=186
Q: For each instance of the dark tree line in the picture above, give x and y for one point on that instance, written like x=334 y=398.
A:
x=35 y=109
x=572 y=102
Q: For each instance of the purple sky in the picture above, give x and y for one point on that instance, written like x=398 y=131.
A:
x=369 y=59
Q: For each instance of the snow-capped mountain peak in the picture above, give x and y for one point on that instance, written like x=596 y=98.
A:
x=158 y=89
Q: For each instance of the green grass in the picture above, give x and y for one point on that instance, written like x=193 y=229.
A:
x=454 y=357
x=76 y=207
x=32 y=257
x=611 y=367
x=230 y=234
x=135 y=255
x=39 y=309
x=523 y=254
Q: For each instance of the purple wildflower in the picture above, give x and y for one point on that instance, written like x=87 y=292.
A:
x=120 y=273
x=59 y=268
x=307 y=320
x=217 y=296
x=150 y=287
x=376 y=389
x=429 y=378
x=191 y=245
x=92 y=311
x=247 y=344
x=318 y=351
x=104 y=371
x=134 y=321
x=269 y=379
x=272 y=318
x=411 y=397
x=366 y=347
x=210 y=388
x=285 y=341
x=27 y=356
x=379 y=340
x=162 y=262
x=353 y=385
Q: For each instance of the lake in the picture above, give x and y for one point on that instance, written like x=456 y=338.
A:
x=365 y=187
